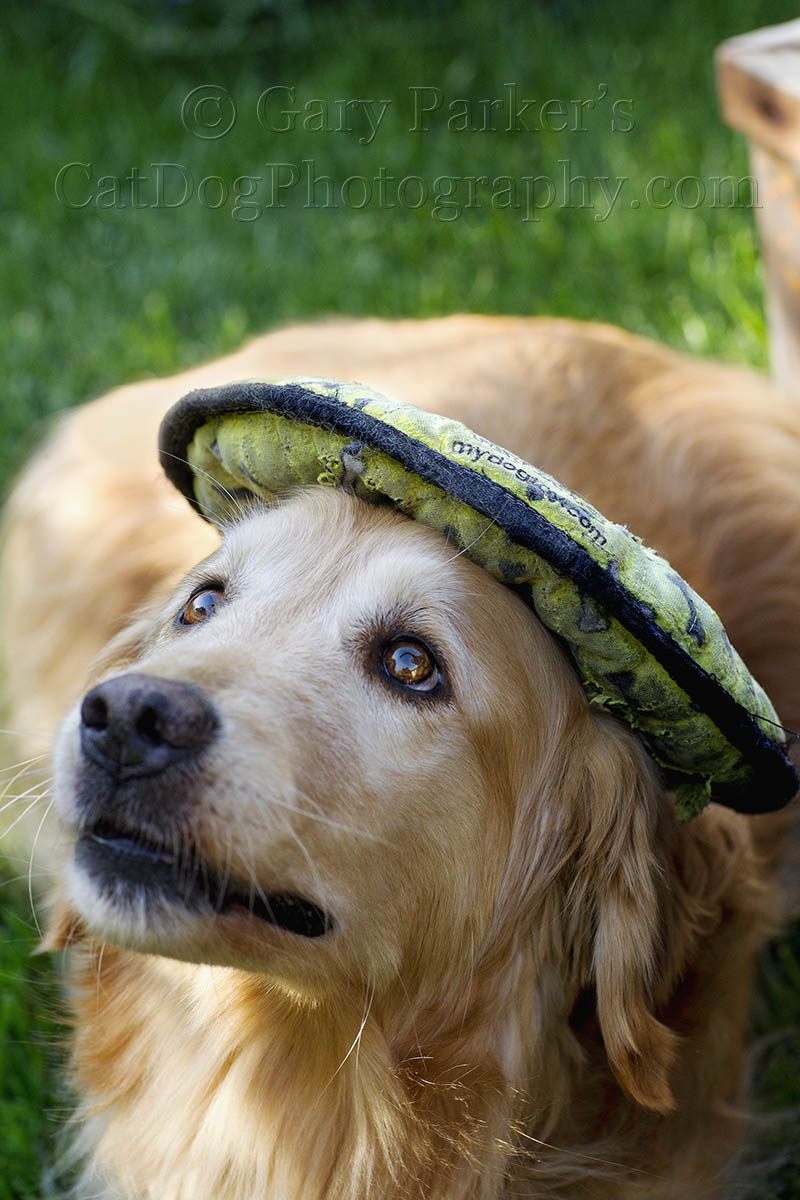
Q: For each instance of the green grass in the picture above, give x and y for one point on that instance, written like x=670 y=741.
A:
x=100 y=295
x=31 y=1037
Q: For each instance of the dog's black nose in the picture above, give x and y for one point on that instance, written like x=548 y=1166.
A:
x=140 y=724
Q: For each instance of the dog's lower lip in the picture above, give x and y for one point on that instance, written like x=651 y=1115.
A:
x=113 y=855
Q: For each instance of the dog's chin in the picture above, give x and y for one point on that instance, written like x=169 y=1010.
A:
x=140 y=897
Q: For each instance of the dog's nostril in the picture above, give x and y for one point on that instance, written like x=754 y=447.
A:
x=148 y=726
x=94 y=710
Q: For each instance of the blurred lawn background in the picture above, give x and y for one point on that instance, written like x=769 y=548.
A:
x=129 y=286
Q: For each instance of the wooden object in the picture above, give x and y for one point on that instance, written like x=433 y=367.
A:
x=758 y=76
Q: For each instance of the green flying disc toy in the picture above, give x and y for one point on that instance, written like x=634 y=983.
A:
x=647 y=648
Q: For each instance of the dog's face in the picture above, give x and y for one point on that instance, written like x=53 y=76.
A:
x=342 y=754
x=316 y=753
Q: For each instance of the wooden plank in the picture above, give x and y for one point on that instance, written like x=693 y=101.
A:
x=758 y=78
x=778 y=218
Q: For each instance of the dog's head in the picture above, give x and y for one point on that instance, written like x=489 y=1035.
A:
x=342 y=751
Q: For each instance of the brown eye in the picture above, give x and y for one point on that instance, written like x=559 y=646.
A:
x=201 y=606
x=411 y=663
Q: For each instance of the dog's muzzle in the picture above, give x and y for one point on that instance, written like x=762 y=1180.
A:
x=141 y=740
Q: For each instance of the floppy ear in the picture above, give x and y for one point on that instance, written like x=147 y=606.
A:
x=623 y=864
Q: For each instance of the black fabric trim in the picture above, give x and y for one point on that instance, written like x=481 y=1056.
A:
x=776 y=780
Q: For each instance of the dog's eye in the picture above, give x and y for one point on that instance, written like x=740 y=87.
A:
x=411 y=663
x=200 y=606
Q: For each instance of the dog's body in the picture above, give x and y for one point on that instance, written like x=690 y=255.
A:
x=536 y=984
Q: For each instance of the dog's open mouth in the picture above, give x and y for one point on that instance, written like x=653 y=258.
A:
x=116 y=857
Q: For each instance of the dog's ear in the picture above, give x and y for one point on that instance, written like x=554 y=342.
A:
x=623 y=874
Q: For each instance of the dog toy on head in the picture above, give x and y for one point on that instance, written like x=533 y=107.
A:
x=647 y=648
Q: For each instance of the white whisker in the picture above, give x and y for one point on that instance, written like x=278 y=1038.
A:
x=36 y=800
x=474 y=541
x=369 y=998
x=98 y=971
x=371 y=988
x=43 y=784
x=23 y=877
x=34 y=733
x=30 y=867
x=319 y=816
x=24 y=770
x=26 y=762
x=312 y=868
x=237 y=509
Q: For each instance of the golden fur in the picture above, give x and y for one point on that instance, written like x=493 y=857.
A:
x=539 y=983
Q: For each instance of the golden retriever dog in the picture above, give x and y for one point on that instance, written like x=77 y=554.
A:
x=341 y=929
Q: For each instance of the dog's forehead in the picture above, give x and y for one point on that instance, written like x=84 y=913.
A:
x=322 y=542
x=332 y=563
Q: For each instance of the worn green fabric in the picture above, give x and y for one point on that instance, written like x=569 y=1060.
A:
x=268 y=454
